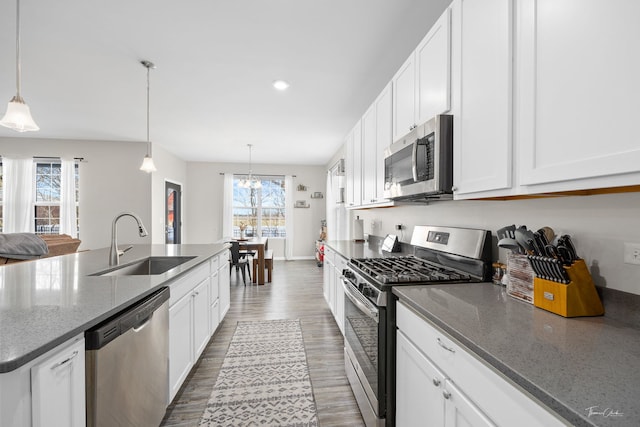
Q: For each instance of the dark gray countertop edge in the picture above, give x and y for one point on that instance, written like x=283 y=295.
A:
x=567 y=413
x=11 y=365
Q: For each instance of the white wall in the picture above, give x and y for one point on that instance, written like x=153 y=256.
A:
x=599 y=225
x=173 y=169
x=110 y=182
x=204 y=213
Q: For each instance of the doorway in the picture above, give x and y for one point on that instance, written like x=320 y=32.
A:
x=173 y=212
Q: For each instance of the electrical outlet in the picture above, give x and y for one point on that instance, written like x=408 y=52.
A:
x=399 y=226
x=632 y=253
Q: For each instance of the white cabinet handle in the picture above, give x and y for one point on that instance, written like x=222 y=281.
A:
x=441 y=344
x=65 y=361
x=446 y=394
x=436 y=382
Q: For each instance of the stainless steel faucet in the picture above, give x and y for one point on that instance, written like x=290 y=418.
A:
x=114 y=253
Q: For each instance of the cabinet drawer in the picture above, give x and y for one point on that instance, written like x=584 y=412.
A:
x=183 y=285
x=215 y=263
x=496 y=395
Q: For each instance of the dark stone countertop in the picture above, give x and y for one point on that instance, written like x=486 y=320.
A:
x=569 y=364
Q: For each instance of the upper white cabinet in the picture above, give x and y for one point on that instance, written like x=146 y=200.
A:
x=422 y=85
x=404 y=98
x=376 y=137
x=433 y=70
x=353 y=167
x=481 y=95
x=577 y=85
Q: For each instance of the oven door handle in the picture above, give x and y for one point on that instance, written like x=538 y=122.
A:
x=365 y=306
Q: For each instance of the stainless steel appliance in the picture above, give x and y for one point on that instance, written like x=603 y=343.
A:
x=420 y=164
x=127 y=365
x=440 y=255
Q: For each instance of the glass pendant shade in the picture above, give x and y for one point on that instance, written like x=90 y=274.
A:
x=18 y=116
x=147 y=165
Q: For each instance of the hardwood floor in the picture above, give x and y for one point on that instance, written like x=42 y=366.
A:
x=295 y=293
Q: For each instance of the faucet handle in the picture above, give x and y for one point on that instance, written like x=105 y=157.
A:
x=121 y=252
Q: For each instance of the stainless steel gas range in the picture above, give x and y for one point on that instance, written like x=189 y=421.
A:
x=441 y=255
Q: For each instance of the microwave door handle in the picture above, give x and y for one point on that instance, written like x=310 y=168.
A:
x=414 y=160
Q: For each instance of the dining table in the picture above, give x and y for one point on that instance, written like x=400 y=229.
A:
x=260 y=245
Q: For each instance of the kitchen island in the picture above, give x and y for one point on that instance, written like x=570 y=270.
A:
x=46 y=306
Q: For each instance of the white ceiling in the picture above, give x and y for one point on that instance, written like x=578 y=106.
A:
x=211 y=93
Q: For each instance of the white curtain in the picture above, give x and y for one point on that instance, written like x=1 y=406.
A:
x=18 y=195
x=288 y=216
x=68 y=216
x=227 y=206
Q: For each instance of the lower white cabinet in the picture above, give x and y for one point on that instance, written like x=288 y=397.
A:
x=333 y=291
x=195 y=312
x=50 y=390
x=58 y=388
x=435 y=376
x=180 y=343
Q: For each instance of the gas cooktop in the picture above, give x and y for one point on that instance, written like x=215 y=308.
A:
x=408 y=269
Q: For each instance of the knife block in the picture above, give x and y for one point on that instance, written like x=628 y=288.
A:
x=578 y=298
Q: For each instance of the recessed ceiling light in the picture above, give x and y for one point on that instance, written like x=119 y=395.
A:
x=280 y=84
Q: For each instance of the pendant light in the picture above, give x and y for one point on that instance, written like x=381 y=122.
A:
x=147 y=163
x=250 y=181
x=18 y=116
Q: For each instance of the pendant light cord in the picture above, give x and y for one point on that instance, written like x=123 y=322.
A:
x=148 y=110
x=18 y=67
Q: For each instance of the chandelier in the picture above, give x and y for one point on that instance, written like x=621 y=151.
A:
x=250 y=181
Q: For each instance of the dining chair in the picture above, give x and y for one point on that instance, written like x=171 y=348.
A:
x=239 y=262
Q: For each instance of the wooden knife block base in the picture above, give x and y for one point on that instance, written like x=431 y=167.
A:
x=578 y=298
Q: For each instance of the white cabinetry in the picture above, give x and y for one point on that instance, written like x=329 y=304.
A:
x=225 y=285
x=376 y=137
x=577 y=85
x=48 y=390
x=195 y=311
x=333 y=291
x=482 y=91
x=473 y=394
x=433 y=70
x=353 y=167
x=404 y=98
x=58 y=388
x=422 y=85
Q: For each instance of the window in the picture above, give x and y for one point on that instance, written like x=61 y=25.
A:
x=47 y=184
x=261 y=210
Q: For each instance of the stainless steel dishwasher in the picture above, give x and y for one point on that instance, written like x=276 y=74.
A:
x=127 y=365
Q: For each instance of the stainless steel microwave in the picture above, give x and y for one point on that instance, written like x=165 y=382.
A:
x=420 y=164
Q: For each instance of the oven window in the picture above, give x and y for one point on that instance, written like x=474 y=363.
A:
x=366 y=337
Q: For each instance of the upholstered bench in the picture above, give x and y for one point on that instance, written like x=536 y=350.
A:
x=268 y=264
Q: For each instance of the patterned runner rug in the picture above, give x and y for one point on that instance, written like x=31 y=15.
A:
x=264 y=379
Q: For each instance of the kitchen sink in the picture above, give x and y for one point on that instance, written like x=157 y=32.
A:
x=146 y=266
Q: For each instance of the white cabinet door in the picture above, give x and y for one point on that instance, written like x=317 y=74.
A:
x=577 y=87
x=339 y=292
x=461 y=412
x=180 y=343
x=201 y=323
x=433 y=70
x=419 y=387
x=384 y=136
x=369 y=156
x=481 y=95
x=225 y=288
x=404 y=98
x=58 y=388
x=353 y=167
